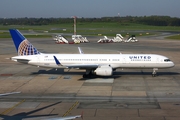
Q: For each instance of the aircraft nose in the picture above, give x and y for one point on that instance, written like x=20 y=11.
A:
x=172 y=64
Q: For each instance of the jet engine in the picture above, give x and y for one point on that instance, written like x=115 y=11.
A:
x=104 y=71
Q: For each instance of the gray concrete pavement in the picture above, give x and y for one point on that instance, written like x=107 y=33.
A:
x=129 y=94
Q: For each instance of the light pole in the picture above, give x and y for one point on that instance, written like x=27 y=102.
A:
x=74 y=24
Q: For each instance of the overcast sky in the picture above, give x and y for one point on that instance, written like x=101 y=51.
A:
x=87 y=8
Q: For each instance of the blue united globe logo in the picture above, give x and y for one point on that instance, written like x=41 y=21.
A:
x=26 y=48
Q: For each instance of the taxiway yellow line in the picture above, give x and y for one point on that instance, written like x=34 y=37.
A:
x=74 y=105
x=10 y=109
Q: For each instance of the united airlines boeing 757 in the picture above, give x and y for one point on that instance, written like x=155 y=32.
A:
x=98 y=64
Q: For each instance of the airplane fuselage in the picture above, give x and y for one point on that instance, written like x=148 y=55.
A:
x=113 y=60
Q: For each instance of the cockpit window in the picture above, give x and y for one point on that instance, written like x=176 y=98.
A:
x=167 y=60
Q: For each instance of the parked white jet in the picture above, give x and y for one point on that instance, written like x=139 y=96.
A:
x=99 y=64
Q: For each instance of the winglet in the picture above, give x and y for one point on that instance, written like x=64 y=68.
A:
x=80 y=51
x=57 y=61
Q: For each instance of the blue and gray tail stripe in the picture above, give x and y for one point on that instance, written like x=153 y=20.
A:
x=23 y=46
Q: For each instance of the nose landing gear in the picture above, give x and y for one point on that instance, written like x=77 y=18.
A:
x=154 y=73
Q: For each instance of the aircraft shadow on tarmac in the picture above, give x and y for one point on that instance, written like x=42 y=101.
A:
x=23 y=115
x=57 y=72
x=61 y=72
x=116 y=74
x=146 y=73
x=101 y=77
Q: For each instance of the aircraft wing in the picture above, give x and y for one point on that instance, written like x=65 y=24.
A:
x=80 y=66
x=64 y=118
x=4 y=94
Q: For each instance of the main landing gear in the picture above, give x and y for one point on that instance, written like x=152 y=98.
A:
x=154 y=74
x=88 y=74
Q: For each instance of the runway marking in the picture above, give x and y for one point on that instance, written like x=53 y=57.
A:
x=10 y=109
x=74 y=105
x=100 y=80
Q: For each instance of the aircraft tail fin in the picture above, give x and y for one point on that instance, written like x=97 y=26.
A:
x=23 y=46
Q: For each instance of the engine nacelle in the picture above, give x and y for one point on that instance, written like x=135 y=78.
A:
x=104 y=71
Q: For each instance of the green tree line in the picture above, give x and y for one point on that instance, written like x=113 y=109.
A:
x=147 y=20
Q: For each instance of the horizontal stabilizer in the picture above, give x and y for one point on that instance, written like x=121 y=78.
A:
x=25 y=61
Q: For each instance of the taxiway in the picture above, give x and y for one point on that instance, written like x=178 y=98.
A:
x=129 y=94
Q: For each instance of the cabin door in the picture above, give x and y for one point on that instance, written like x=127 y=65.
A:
x=124 y=60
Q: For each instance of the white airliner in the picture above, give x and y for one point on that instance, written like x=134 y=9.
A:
x=99 y=64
